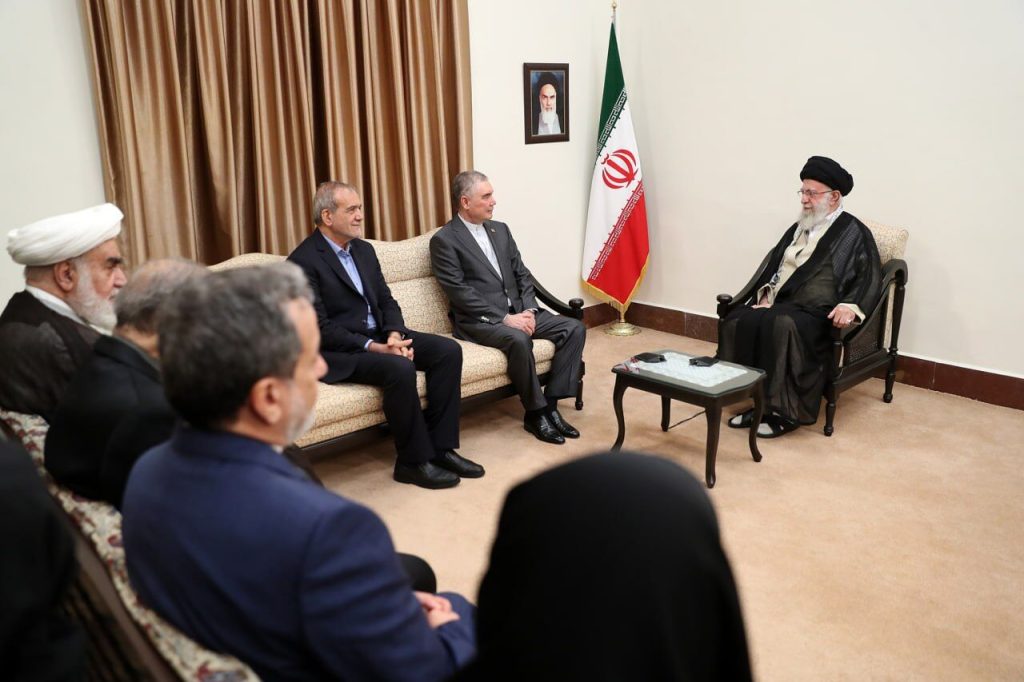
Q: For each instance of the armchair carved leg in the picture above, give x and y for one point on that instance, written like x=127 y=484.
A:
x=579 y=386
x=897 y=318
x=890 y=375
x=830 y=408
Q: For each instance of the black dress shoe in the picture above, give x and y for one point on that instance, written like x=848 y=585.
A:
x=457 y=464
x=425 y=475
x=542 y=428
x=564 y=427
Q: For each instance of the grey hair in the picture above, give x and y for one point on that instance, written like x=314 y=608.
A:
x=222 y=333
x=39 y=273
x=323 y=198
x=463 y=184
x=139 y=301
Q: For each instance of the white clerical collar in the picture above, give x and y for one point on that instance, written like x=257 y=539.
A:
x=57 y=305
x=472 y=226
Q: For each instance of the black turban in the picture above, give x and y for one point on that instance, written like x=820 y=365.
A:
x=547 y=78
x=827 y=172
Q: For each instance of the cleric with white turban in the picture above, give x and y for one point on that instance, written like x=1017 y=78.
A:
x=63 y=237
x=73 y=270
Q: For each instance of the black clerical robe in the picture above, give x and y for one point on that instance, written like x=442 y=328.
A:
x=790 y=340
x=41 y=351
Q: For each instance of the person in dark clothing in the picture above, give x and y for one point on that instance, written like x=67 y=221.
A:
x=73 y=270
x=114 y=409
x=609 y=567
x=824 y=272
x=36 y=571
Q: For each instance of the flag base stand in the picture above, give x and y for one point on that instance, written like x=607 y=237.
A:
x=622 y=329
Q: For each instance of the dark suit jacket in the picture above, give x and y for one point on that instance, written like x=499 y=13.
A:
x=113 y=411
x=237 y=548
x=48 y=347
x=37 y=569
x=340 y=309
x=475 y=291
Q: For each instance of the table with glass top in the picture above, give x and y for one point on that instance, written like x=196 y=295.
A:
x=712 y=388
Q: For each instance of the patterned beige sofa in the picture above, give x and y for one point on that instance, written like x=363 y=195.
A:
x=347 y=414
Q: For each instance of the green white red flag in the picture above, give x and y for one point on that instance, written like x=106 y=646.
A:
x=615 y=251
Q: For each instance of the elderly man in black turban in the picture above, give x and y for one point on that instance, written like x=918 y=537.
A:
x=825 y=271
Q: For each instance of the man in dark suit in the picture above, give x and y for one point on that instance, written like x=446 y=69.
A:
x=364 y=340
x=477 y=263
x=115 y=409
x=233 y=544
x=38 y=569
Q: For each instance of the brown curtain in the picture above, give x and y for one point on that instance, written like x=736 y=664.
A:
x=218 y=118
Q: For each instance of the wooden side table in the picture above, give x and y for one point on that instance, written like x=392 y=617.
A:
x=675 y=379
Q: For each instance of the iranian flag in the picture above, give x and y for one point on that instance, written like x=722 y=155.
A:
x=615 y=251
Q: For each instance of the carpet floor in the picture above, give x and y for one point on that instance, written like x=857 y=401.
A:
x=890 y=551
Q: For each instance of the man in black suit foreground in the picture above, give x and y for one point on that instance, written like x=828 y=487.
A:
x=491 y=292
x=37 y=640
x=364 y=340
x=115 y=409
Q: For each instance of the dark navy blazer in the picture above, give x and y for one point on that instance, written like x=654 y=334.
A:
x=340 y=309
x=233 y=545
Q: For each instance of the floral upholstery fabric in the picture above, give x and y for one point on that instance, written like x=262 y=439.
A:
x=101 y=524
x=344 y=408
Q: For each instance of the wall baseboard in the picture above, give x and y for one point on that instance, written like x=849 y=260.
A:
x=976 y=384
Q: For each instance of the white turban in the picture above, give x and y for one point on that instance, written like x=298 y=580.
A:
x=61 y=237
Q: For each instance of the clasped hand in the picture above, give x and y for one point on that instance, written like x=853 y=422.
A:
x=437 y=609
x=395 y=345
x=524 y=321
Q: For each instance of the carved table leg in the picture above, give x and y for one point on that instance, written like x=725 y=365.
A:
x=758 y=413
x=620 y=388
x=714 y=417
x=666 y=412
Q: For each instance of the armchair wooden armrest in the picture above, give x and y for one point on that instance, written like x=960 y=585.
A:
x=727 y=302
x=574 y=308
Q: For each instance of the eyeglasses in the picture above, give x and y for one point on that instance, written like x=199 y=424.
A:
x=810 y=193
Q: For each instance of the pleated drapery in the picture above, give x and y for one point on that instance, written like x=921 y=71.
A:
x=218 y=118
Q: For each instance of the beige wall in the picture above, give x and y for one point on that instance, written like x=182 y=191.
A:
x=51 y=157
x=921 y=101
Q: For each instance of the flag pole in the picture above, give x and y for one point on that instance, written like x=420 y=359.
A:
x=620 y=328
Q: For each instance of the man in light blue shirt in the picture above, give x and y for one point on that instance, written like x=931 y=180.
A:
x=364 y=340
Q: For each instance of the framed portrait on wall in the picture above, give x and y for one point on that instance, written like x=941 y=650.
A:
x=546 y=102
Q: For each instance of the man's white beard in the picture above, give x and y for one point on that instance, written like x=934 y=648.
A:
x=815 y=216
x=88 y=305
x=300 y=420
x=548 y=118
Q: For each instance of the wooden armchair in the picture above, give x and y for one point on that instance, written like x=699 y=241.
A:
x=860 y=350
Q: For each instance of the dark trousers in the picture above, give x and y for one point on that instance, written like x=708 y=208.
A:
x=419 y=433
x=569 y=336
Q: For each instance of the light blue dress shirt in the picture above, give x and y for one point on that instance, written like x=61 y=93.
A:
x=349 y=264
